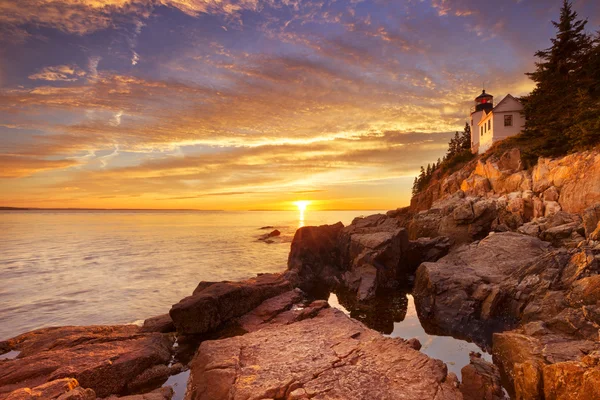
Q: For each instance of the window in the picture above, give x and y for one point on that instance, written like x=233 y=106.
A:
x=508 y=120
x=482 y=131
x=489 y=124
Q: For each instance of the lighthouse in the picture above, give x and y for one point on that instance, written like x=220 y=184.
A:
x=484 y=103
x=491 y=124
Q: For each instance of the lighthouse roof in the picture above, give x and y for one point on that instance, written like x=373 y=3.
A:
x=483 y=94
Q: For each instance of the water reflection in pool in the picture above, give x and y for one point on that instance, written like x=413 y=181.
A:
x=396 y=316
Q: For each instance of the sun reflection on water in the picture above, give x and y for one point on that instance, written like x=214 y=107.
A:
x=301 y=204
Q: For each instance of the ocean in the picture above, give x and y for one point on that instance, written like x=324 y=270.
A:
x=114 y=267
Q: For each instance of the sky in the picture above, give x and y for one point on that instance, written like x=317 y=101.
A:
x=248 y=104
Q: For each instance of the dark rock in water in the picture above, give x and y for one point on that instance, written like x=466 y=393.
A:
x=314 y=257
x=266 y=227
x=269 y=235
x=460 y=293
x=327 y=356
x=481 y=380
x=105 y=359
x=161 y=323
x=214 y=304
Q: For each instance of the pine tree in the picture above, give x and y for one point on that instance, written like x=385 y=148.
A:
x=465 y=139
x=551 y=106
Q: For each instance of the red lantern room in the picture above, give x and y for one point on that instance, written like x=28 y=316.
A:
x=484 y=102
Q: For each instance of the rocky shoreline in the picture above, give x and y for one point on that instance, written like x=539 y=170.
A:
x=494 y=254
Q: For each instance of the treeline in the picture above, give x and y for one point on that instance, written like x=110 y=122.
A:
x=459 y=150
x=563 y=111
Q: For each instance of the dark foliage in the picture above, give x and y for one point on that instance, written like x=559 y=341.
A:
x=563 y=111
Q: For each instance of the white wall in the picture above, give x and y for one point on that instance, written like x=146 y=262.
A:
x=498 y=132
x=475 y=117
x=486 y=141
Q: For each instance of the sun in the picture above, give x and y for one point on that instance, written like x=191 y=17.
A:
x=301 y=204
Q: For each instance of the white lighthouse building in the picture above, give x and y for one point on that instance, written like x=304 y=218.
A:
x=491 y=124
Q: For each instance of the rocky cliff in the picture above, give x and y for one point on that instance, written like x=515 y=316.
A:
x=506 y=257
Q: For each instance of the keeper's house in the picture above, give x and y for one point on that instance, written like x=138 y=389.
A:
x=491 y=124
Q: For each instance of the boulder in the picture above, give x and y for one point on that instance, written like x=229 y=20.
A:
x=161 y=323
x=105 y=359
x=66 y=388
x=550 y=208
x=314 y=257
x=214 y=304
x=551 y=194
x=591 y=222
x=461 y=293
x=329 y=356
x=565 y=235
x=372 y=251
x=165 y=393
x=272 y=234
x=481 y=380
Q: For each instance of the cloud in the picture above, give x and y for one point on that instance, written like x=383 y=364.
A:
x=68 y=73
x=19 y=166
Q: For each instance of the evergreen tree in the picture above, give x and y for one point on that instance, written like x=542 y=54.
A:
x=551 y=107
x=465 y=139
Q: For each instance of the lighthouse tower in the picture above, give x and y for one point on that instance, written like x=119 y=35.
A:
x=484 y=103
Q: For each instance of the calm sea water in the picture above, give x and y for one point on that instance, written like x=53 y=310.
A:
x=109 y=267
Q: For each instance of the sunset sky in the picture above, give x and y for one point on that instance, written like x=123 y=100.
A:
x=250 y=104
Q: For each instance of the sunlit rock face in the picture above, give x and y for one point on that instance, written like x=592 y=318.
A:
x=570 y=183
x=327 y=357
x=106 y=359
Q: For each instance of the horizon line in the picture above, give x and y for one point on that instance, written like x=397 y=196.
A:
x=9 y=208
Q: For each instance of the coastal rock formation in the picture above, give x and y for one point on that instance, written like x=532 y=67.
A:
x=63 y=389
x=367 y=256
x=214 y=303
x=460 y=295
x=576 y=176
x=372 y=252
x=481 y=380
x=106 y=359
x=161 y=323
x=314 y=257
x=570 y=183
x=329 y=356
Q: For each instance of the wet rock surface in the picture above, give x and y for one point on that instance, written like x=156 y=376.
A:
x=328 y=356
